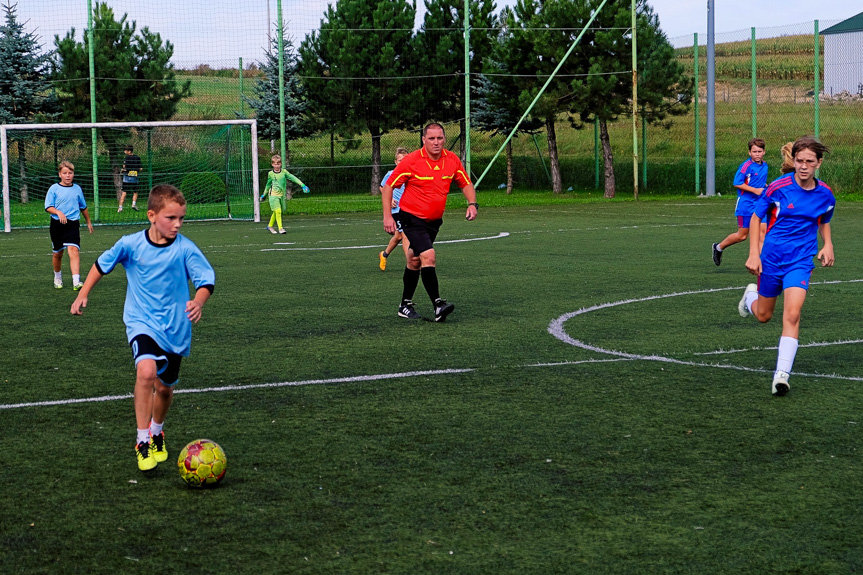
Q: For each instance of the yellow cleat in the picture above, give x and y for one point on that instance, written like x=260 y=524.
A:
x=146 y=461
x=383 y=263
x=157 y=447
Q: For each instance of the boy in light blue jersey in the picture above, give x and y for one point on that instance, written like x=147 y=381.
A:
x=397 y=195
x=796 y=207
x=158 y=313
x=66 y=204
x=750 y=179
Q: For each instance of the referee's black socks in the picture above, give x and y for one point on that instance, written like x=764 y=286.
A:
x=429 y=276
x=410 y=279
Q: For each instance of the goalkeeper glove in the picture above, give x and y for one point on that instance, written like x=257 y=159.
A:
x=306 y=190
x=263 y=196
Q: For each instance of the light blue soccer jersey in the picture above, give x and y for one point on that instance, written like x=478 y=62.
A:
x=158 y=286
x=397 y=192
x=68 y=199
x=751 y=174
x=792 y=215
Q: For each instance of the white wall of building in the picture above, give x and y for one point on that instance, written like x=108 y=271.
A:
x=843 y=63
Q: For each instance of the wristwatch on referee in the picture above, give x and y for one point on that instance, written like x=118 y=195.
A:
x=474 y=204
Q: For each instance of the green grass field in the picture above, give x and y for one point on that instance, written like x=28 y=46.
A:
x=635 y=436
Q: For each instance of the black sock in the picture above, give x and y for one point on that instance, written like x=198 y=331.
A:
x=385 y=254
x=429 y=276
x=411 y=279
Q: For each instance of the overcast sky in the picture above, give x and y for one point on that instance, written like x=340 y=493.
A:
x=220 y=31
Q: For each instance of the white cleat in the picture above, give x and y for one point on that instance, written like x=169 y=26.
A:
x=780 y=383
x=741 y=306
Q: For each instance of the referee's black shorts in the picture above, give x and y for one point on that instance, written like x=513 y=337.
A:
x=64 y=235
x=420 y=233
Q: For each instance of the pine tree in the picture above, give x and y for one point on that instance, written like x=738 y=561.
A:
x=135 y=80
x=25 y=91
x=355 y=70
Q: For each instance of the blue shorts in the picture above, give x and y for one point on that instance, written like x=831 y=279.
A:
x=743 y=222
x=167 y=364
x=773 y=284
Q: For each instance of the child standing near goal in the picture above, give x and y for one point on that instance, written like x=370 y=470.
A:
x=750 y=180
x=130 y=171
x=158 y=313
x=65 y=202
x=397 y=195
x=796 y=207
x=277 y=188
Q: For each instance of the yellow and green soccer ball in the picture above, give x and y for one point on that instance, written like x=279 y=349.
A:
x=202 y=463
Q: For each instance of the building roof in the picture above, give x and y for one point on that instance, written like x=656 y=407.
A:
x=852 y=24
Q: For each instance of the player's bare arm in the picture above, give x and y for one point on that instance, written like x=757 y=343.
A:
x=81 y=301
x=470 y=195
x=194 y=307
x=386 y=202
x=753 y=263
x=825 y=255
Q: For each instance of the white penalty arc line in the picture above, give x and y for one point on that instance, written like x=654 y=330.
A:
x=223 y=388
x=556 y=329
x=497 y=237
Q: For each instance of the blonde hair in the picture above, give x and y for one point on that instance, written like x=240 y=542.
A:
x=787 y=159
x=161 y=194
x=65 y=164
x=401 y=152
x=276 y=157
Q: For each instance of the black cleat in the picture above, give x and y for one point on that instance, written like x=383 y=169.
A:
x=442 y=308
x=406 y=310
x=717 y=255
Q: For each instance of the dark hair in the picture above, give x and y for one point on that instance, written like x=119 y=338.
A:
x=129 y=148
x=161 y=194
x=433 y=125
x=811 y=144
x=757 y=142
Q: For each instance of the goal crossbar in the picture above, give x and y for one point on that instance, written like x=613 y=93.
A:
x=4 y=160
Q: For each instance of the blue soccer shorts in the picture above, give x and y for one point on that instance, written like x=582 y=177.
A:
x=773 y=282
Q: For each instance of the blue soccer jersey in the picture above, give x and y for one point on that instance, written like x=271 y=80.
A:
x=157 y=287
x=68 y=199
x=751 y=174
x=792 y=215
x=397 y=192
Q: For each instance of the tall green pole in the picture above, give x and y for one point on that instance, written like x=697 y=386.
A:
x=817 y=94
x=281 y=83
x=242 y=143
x=467 y=86
x=149 y=159
x=643 y=150
x=754 y=89
x=634 y=105
x=697 y=124
x=93 y=135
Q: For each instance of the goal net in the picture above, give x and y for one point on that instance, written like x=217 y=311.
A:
x=214 y=163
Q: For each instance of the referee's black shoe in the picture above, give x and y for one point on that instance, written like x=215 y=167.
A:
x=442 y=308
x=406 y=310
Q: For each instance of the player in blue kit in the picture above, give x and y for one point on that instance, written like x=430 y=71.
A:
x=66 y=204
x=750 y=180
x=158 y=313
x=796 y=208
x=397 y=196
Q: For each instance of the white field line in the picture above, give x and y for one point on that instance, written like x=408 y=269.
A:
x=376 y=246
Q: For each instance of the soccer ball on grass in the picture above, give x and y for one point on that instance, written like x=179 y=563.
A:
x=202 y=463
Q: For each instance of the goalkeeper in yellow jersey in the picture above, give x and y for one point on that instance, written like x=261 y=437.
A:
x=277 y=188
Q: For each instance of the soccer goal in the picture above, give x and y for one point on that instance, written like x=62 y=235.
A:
x=214 y=163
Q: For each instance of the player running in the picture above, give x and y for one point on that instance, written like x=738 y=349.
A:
x=796 y=208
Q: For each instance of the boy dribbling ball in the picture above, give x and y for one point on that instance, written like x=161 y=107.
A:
x=158 y=312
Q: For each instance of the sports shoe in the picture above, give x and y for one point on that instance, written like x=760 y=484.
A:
x=406 y=310
x=272 y=230
x=741 y=305
x=282 y=231
x=146 y=461
x=77 y=286
x=120 y=209
x=717 y=254
x=442 y=309
x=780 y=383
x=383 y=262
x=58 y=283
x=134 y=207
x=157 y=447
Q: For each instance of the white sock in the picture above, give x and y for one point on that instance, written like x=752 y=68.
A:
x=718 y=248
x=787 y=351
x=76 y=278
x=751 y=298
x=58 y=275
x=156 y=428
x=143 y=436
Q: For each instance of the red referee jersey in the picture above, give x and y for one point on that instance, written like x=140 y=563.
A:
x=427 y=182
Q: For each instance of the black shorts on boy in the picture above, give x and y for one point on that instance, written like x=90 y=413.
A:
x=63 y=235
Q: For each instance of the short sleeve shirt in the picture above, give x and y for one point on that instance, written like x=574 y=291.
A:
x=397 y=192
x=792 y=215
x=751 y=174
x=68 y=199
x=157 y=288
x=427 y=182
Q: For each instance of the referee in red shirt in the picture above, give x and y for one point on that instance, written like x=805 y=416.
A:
x=426 y=174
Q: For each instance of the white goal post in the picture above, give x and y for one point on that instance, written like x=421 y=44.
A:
x=81 y=147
